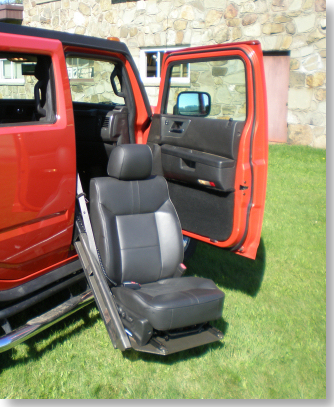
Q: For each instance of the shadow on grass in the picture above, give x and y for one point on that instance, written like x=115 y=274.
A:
x=7 y=359
x=229 y=270
x=226 y=269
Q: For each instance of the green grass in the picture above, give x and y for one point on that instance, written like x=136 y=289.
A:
x=274 y=317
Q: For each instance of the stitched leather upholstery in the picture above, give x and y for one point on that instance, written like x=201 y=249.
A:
x=135 y=225
x=139 y=236
x=175 y=302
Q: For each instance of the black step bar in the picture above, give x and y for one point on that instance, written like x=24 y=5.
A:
x=164 y=345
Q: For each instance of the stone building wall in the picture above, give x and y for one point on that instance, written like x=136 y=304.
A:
x=298 y=26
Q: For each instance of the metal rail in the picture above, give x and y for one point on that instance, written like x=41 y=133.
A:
x=44 y=321
x=102 y=293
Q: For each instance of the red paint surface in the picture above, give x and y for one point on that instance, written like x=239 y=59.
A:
x=38 y=179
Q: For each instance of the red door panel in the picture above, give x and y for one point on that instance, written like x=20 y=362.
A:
x=37 y=175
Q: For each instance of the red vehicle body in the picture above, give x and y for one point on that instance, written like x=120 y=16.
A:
x=39 y=159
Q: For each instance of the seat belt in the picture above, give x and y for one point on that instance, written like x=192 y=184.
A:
x=81 y=196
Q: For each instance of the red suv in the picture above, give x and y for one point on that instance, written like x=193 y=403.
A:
x=96 y=189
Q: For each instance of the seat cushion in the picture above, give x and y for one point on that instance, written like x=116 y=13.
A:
x=175 y=302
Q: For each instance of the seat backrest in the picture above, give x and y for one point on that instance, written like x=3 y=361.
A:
x=136 y=228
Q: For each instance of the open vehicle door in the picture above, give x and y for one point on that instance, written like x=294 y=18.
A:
x=209 y=140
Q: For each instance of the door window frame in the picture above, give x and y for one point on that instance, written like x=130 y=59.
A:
x=95 y=57
x=51 y=90
x=169 y=80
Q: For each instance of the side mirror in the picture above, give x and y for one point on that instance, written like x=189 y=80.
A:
x=193 y=104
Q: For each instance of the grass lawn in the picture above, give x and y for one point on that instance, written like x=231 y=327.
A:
x=274 y=317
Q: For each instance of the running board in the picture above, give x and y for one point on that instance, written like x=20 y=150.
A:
x=44 y=321
x=163 y=345
x=102 y=294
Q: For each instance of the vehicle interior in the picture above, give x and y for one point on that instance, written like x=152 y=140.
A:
x=104 y=112
x=26 y=83
x=136 y=229
x=195 y=141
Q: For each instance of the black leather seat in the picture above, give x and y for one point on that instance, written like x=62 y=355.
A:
x=139 y=237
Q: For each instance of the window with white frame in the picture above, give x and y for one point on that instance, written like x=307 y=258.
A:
x=151 y=62
x=11 y=73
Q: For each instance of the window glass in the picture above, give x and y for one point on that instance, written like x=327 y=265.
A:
x=152 y=64
x=80 y=68
x=90 y=80
x=18 y=81
x=180 y=71
x=224 y=80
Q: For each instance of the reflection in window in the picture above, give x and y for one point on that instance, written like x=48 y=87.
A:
x=79 y=68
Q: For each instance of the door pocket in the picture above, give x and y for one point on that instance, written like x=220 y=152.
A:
x=188 y=165
x=197 y=167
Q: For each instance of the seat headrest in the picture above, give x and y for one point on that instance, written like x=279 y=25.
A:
x=130 y=162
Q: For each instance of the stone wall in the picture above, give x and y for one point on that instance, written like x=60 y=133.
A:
x=298 y=26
